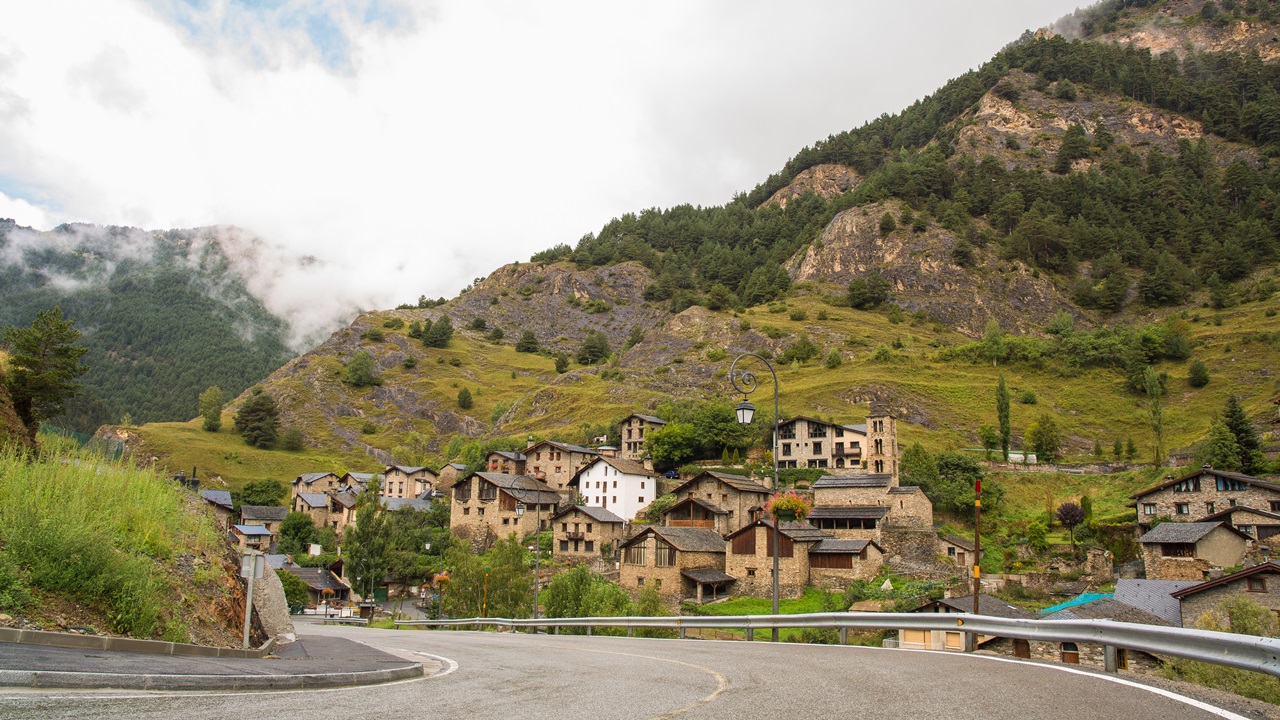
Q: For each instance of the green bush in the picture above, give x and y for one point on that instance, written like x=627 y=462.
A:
x=799 y=315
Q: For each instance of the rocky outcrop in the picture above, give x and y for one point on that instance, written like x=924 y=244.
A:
x=826 y=181
x=1175 y=26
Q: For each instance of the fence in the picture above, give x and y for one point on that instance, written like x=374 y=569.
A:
x=1246 y=652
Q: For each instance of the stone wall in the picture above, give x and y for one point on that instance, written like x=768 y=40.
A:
x=578 y=521
x=839 y=578
x=912 y=510
x=1091 y=655
x=1167 y=500
x=1196 y=605
x=754 y=573
x=1172 y=568
x=849 y=496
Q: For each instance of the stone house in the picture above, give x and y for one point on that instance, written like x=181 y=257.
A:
x=357 y=481
x=953 y=640
x=405 y=481
x=322 y=584
x=807 y=442
x=555 y=463
x=851 y=523
x=502 y=461
x=737 y=500
x=1203 y=492
x=860 y=505
x=451 y=473
x=749 y=557
x=632 y=430
x=317 y=482
x=692 y=512
x=220 y=502
x=1191 y=551
x=1260 y=583
x=484 y=507
x=679 y=562
x=1091 y=654
x=342 y=510
x=581 y=532
x=1258 y=524
x=314 y=504
x=958 y=550
x=834 y=562
x=251 y=537
x=623 y=486
x=268 y=516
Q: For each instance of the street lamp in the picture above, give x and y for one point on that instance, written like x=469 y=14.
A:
x=746 y=412
x=537 y=553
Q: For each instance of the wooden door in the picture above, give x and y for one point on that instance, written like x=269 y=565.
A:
x=960 y=558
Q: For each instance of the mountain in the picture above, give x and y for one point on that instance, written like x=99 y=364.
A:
x=1073 y=211
x=164 y=314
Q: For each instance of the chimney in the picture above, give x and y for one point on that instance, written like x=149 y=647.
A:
x=1206 y=466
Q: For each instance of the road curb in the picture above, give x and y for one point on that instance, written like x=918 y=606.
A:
x=50 y=679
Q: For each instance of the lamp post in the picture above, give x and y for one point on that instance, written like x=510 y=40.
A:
x=537 y=554
x=746 y=412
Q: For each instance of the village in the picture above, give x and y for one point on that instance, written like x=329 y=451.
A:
x=1203 y=535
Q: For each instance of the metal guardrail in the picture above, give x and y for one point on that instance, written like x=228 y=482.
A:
x=1246 y=652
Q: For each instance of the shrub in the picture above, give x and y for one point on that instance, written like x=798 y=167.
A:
x=409 y=363
x=771 y=332
x=372 y=334
x=799 y=315
x=1198 y=374
x=292 y=440
x=394 y=323
x=834 y=359
x=368 y=428
x=1027 y=398
x=464 y=399
x=717 y=354
x=479 y=324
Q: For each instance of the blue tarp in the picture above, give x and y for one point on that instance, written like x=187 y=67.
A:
x=1077 y=600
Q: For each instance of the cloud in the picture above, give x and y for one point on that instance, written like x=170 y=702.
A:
x=411 y=147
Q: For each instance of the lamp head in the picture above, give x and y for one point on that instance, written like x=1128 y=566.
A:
x=745 y=411
x=519 y=509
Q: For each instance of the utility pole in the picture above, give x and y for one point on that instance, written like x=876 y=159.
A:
x=971 y=639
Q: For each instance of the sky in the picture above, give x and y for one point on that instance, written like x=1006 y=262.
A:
x=410 y=147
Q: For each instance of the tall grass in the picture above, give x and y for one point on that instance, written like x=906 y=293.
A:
x=100 y=532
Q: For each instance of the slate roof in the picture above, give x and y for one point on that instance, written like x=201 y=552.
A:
x=394 y=503
x=277 y=562
x=1108 y=608
x=251 y=530
x=712 y=576
x=1223 y=514
x=318 y=578
x=904 y=489
x=315 y=500
x=684 y=539
x=649 y=419
x=958 y=541
x=849 y=512
x=265 y=513
x=797 y=531
x=458 y=466
x=522 y=487
x=853 y=481
x=563 y=446
x=625 y=467
x=987 y=605
x=410 y=469
x=221 y=498
x=1184 y=532
x=345 y=499
x=1256 y=482
x=1266 y=567
x=363 y=478
x=308 y=478
x=737 y=482
x=598 y=514
x=518 y=457
x=1154 y=596
x=843 y=547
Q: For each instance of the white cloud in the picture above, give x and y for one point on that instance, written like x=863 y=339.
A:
x=411 y=156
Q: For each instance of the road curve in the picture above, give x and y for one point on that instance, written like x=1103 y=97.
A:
x=505 y=675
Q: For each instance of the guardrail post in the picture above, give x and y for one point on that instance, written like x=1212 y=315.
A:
x=844 y=636
x=630 y=631
x=1110 y=655
x=681 y=632
x=555 y=630
x=751 y=634
x=588 y=631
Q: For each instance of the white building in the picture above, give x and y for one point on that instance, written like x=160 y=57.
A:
x=623 y=487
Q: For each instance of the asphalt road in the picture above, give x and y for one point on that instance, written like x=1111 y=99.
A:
x=504 y=675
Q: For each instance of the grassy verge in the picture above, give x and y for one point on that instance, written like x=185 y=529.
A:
x=101 y=533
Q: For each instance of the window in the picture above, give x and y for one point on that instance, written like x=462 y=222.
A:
x=615 y=483
x=1229 y=485
x=640 y=499
x=657 y=583
x=788 y=432
x=641 y=484
x=564 y=527
x=634 y=555
x=839 y=432
x=817 y=448
x=1188 y=485
x=1208 y=508
x=462 y=491
x=589 y=546
x=1257 y=584
x=1182 y=508
x=615 y=499
x=1275 y=506
x=1148 y=508
x=466 y=511
x=557 y=468
x=751 y=572
x=951 y=552
x=564 y=546
x=1246 y=529
x=639 y=582
x=480 y=511
x=588 y=527
x=664 y=555
x=488 y=492
x=1178 y=550
x=575 y=527
x=506 y=521
x=879 y=447
x=1070 y=652
x=786 y=448
x=817 y=430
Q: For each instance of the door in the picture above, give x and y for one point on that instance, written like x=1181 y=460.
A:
x=1070 y=653
x=1022 y=649
x=960 y=558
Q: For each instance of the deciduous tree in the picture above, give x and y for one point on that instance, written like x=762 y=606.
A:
x=211 y=403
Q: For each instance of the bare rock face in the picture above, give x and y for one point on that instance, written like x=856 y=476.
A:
x=1168 y=30
x=270 y=605
x=826 y=181
x=924 y=276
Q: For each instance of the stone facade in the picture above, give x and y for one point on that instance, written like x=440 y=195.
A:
x=579 y=533
x=740 y=497
x=450 y=474
x=749 y=559
x=642 y=567
x=633 y=431
x=408 y=482
x=863 y=567
x=1220 y=548
x=511 y=463
x=1260 y=584
x=482 y=511
x=882 y=442
x=1204 y=492
x=805 y=442
x=1090 y=655
x=556 y=463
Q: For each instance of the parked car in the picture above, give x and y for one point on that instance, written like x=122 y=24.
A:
x=671 y=474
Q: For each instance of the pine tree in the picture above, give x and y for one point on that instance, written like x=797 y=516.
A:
x=595 y=347
x=1234 y=417
x=439 y=334
x=44 y=367
x=464 y=399
x=1220 y=450
x=528 y=342
x=258 y=420
x=1155 y=389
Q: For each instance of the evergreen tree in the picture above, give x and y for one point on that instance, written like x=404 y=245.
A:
x=44 y=367
x=1198 y=374
x=887 y=225
x=439 y=334
x=1220 y=450
x=595 y=347
x=635 y=337
x=1234 y=417
x=528 y=342
x=869 y=291
x=1002 y=414
x=562 y=362
x=211 y=403
x=464 y=399
x=258 y=420
x=1043 y=437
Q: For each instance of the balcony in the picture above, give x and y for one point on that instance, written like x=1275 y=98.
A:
x=847 y=453
x=575 y=535
x=711 y=524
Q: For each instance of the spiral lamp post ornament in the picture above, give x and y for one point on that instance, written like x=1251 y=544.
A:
x=746 y=412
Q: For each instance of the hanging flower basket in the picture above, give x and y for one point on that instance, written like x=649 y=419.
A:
x=787 y=506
